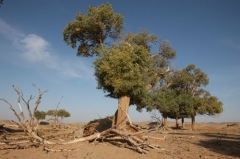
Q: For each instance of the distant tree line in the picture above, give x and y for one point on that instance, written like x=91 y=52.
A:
x=53 y=114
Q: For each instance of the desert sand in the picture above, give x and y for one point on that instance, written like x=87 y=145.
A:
x=209 y=141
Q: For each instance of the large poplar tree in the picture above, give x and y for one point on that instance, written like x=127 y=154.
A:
x=125 y=67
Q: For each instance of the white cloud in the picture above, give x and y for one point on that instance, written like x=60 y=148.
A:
x=36 y=48
x=8 y=31
x=38 y=51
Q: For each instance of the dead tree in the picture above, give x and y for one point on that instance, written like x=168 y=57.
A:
x=27 y=124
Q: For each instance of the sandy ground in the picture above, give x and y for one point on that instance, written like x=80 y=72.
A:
x=209 y=141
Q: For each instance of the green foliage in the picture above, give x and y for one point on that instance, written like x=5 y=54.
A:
x=164 y=100
x=192 y=98
x=51 y=112
x=195 y=80
x=143 y=38
x=186 y=87
x=122 y=70
x=211 y=105
x=63 y=113
x=92 y=29
x=40 y=115
x=127 y=68
x=186 y=103
x=190 y=79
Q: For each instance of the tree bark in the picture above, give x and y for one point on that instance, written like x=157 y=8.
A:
x=120 y=116
x=193 y=122
x=182 y=122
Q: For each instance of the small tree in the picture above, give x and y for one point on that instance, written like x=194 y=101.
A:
x=40 y=115
x=56 y=114
x=62 y=113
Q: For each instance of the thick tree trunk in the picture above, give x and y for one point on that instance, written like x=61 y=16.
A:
x=177 y=125
x=182 y=122
x=120 y=116
x=193 y=122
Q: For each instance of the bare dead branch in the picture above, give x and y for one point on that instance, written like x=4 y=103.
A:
x=37 y=102
x=27 y=126
x=91 y=137
x=54 y=117
x=59 y=103
x=27 y=104
x=129 y=120
x=136 y=146
x=19 y=100
x=11 y=107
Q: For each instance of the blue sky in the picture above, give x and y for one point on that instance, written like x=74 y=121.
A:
x=205 y=33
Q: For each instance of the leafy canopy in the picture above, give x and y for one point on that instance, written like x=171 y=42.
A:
x=210 y=105
x=92 y=29
x=58 y=113
x=122 y=69
x=40 y=115
x=190 y=81
x=164 y=100
x=62 y=113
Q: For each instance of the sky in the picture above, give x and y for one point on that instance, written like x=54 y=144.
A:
x=32 y=51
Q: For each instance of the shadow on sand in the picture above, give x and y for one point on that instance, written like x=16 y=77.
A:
x=222 y=143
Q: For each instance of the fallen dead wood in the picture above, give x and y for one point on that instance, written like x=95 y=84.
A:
x=129 y=135
x=91 y=137
x=135 y=141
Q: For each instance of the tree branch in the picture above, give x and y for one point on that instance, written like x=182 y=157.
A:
x=14 y=111
x=19 y=100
